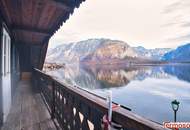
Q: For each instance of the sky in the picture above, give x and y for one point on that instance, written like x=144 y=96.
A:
x=147 y=23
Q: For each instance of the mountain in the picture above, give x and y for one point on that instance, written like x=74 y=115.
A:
x=110 y=52
x=73 y=52
x=102 y=51
x=155 y=54
x=181 y=54
x=96 y=48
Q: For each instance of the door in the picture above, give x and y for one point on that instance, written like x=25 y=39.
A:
x=6 y=72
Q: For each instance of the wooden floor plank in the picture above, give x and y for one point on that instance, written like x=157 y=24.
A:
x=28 y=111
x=32 y=127
x=47 y=125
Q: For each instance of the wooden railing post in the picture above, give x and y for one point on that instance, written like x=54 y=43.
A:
x=53 y=101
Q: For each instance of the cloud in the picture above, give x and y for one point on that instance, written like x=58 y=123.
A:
x=174 y=20
x=62 y=37
x=170 y=24
x=185 y=37
x=176 y=6
x=183 y=24
x=178 y=21
x=172 y=7
x=187 y=24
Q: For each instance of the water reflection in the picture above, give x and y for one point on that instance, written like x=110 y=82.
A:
x=147 y=90
x=182 y=72
x=107 y=76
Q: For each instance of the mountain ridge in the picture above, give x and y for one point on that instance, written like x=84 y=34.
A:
x=156 y=53
x=101 y=50
x=180 y=54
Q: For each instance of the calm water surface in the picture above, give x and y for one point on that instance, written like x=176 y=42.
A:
x=147 y=90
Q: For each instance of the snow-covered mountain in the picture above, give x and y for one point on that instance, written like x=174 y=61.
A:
x=73 y=52
x=111 y=51
x=181 y=54
x=155 y=54
x=99 y=50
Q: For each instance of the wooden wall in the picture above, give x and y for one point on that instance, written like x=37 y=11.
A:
x=30 y=57
x=25 y=57
x=15 y=67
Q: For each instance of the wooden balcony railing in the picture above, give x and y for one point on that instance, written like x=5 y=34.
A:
x=76 y=109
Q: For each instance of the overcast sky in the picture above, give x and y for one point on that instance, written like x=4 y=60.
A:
x=148 y=23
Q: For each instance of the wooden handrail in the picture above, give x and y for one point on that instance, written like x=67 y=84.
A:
x=70 y=98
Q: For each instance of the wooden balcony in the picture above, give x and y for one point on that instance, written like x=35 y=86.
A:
x=28 y=111
x=74 y=108
x=48 y=104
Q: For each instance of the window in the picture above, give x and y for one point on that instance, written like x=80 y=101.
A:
x=6 y=46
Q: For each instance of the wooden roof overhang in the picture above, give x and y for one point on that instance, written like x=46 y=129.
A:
x=33 y=22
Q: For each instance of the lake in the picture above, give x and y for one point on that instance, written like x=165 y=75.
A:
x=146 y=90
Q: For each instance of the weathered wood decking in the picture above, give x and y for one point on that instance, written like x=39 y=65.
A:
x=28 y=111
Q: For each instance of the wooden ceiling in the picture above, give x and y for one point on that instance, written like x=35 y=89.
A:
x=31 y=24
x=35 y=21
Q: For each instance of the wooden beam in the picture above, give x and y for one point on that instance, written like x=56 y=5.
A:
x=31 y=29
x=43 y=55
x=28 y=43
x=60 y=4
x=5 y=11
